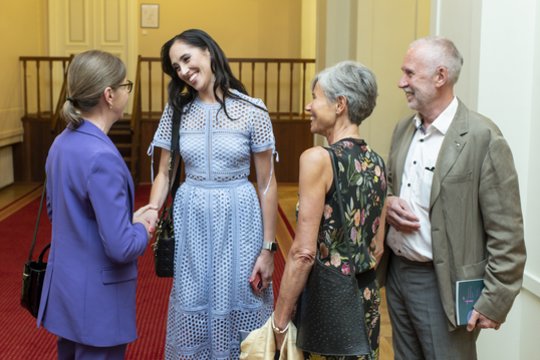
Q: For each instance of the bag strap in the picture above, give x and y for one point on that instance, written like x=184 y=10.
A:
x=343 y=220
x=175 y=150
x=176 y=118
x=31 y=253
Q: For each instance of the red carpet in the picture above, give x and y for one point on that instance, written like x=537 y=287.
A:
x=19 y=337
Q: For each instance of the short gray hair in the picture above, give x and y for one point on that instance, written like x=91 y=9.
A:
x=355 y=82
x=440 y=51
x=89 y=74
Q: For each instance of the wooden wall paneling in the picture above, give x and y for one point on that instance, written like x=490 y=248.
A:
x=41 y=142
x=29 y=164
x=292 y=138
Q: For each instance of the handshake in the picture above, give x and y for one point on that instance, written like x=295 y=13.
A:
x=148 y=216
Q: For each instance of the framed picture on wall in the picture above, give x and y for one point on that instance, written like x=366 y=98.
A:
x=149 y=15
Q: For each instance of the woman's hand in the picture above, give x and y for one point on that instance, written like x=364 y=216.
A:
x=279 y=340
x=148 y=216
x=265 y=267
x=279 y=332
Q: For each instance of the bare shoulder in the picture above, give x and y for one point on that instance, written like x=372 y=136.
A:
x=315 y=169
x=315 y=157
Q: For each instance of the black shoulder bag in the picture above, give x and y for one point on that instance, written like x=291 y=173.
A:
x=34 y=271
x=164 y=245
x=330 y=314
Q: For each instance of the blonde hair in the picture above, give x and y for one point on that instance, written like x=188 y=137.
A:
x=89 y=74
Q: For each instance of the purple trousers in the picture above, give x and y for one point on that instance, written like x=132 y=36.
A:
x=69 y=350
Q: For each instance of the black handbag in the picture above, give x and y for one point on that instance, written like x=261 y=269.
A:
x=164 y=245
x=330 y=315
x=34 y=271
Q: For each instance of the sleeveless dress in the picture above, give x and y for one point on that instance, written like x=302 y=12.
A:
x=362 y=178
x=218 y=228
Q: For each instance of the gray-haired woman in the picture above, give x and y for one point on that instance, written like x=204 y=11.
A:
x=343 y=96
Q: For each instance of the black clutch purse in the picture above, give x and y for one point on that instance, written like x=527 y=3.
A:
x=34 y=272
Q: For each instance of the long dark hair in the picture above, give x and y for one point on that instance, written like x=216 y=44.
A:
x=180 y=94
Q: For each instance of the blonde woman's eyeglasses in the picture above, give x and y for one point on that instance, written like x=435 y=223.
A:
x=128 y=85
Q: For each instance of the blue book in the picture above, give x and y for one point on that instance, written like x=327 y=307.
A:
x=467 y=292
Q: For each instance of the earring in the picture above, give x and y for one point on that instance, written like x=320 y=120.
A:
x=110 y=106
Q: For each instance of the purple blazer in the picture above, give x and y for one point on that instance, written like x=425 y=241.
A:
x=89 y=291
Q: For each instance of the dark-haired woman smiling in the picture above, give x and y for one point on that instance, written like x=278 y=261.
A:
x=224 y=228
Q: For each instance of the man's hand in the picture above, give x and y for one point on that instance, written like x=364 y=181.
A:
x=400 y=216
x=481 y=321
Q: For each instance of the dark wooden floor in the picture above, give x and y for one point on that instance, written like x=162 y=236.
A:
x=15 y=196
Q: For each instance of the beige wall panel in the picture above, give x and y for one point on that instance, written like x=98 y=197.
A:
x=112 y=21
x=321 y=33
x=385 y=29
x=110 y=27
x=308 y=41
x=6 y=162
x=77 y=22
x=10 y=126
x=80 y=25
x=339 y=31
x=466 y=36
x=22 y=32
x=97 y=24
x=243 y=28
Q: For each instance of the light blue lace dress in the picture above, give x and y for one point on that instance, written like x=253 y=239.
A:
x=218 y=227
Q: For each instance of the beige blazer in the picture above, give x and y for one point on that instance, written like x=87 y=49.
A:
x=477 y=226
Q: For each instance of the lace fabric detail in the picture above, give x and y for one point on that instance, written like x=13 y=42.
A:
x=218 y=225
x=214 y=146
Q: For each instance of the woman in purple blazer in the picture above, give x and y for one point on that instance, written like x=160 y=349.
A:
x=88 y=298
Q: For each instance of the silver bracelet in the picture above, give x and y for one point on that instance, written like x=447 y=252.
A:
x=276 y=329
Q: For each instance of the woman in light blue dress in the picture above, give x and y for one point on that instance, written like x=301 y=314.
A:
x=224 y=227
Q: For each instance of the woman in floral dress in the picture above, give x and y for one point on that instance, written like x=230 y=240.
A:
x=223 y=226
x=343 y=96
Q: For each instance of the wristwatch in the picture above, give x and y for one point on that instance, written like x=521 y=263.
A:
x=270 y=246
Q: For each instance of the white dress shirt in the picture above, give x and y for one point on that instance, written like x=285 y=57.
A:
x=416 y=185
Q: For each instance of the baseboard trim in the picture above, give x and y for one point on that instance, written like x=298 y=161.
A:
x=531 y=282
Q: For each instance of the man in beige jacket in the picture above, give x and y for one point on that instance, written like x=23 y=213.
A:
x=454 y=213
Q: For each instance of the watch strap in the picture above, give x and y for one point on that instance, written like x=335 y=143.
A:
x=270 y=246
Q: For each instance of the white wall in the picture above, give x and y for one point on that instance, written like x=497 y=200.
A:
x=375 y=33
x=500 y=41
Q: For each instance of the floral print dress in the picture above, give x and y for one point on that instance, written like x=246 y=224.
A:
x=362 y=178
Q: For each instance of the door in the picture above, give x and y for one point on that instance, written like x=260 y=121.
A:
x=79 y=25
